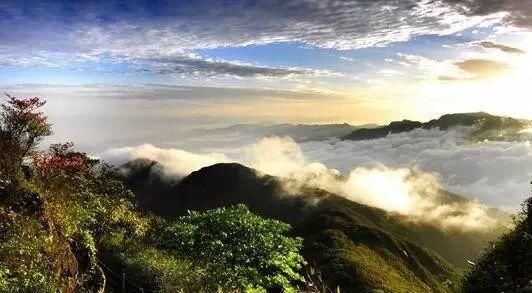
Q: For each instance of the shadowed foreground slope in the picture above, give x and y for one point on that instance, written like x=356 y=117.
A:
x=507 y=266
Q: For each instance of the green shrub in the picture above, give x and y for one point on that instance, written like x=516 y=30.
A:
x=237 y=249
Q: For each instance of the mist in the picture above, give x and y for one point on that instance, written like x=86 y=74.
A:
x=390 y=173
x=496 y=173
x=177 y=163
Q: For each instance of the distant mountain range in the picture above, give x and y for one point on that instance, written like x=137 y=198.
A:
x=487 y=126
x=299 y=132
x=357 y=247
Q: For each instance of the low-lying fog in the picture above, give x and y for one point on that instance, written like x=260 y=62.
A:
x=407 y=165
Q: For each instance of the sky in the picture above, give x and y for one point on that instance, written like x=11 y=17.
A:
x=305 y=61
x=121 y=74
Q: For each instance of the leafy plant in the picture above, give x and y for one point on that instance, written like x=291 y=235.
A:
x=238 y=249
x=22 y=122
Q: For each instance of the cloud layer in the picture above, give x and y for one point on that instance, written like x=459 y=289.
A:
x=402 y=173
x=57 y=33
x=518 y=12
x=504 y=48
x=495 y=173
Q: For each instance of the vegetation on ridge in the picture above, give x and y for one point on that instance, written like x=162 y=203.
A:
x=507 y=265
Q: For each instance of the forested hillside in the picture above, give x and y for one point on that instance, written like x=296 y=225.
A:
x=356 y=247
x=507 y=265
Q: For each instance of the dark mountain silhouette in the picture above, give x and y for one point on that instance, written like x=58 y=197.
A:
x=147 y=179
x=352 y=243
x=487 y=126
x=379 y=132
x=507 y=265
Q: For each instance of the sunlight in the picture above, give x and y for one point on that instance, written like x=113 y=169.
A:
x=381 y=188
x=506 y=94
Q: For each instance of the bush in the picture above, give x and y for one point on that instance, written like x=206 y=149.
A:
x=237 y=249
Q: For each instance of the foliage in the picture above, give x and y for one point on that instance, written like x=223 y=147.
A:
x=23 y=124
x=83 y=196
x=507 y=266
x=156 y=268
x=4 y=278
x=54 y=219
x=238 y=249
x=22 y=127
x=62 y=158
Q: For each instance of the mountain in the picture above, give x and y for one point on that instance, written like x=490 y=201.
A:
x=147 y=179
x=299 y=132
x=357 y=247
x=487 y=126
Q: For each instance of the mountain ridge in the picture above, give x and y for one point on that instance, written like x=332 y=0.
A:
x=487 y=126
x=352 y=230
x=299 y=132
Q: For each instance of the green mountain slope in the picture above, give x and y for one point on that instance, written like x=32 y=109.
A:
x=507 y=265
x=357 y=247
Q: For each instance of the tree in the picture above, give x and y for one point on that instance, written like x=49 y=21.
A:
x=22 y=127
x=237 y=249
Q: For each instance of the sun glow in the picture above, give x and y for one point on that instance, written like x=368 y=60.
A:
x=505 y=93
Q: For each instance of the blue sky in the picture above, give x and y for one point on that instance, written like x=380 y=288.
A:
x=123 y=73
x=287 y=61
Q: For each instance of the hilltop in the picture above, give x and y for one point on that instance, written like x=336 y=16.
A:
x=485 y=126
x=351 y=243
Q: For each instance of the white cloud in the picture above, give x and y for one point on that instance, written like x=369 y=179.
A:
x=402 y=173
x=429 y=68
x=516 y=12
x=133 y=33
x=176 y=162
x=496 y=173
x=349 y=59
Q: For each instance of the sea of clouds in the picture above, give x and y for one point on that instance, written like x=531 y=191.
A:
x=497 y=173
x=402 y=173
